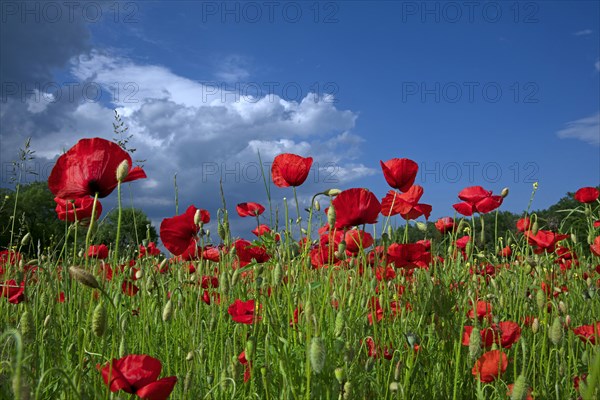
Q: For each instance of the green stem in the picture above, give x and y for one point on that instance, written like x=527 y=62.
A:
x=118 y=237
x=90 y=228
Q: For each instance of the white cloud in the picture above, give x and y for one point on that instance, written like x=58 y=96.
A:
x=586 y=129
x=200 y=132
x=583 y=32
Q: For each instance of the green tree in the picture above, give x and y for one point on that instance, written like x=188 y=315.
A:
x=135 y=227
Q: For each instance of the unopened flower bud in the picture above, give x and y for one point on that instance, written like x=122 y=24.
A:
x=556 y=331
x=84 y=277
x=422 y=227
x=340 y=375
x=331 y=216
x=520 y=388
x=504 y=192
x=25 y=240
x=540 y=299
x=198 y=217
x=99 y=319
x=348 y=390
x=535 y=325
x=190 y=356
x=332 y=192
x=562 y=307
x=317 y=354
x=167 y=311
x=122 y=170
x=317 y=205
x=139 y=274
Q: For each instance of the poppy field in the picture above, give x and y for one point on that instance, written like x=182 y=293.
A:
x=329 y=300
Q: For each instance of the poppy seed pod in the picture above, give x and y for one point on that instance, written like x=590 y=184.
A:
x=331 y=216
x=122 y=171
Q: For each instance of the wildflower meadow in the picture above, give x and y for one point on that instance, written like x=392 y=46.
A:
x=330 y=301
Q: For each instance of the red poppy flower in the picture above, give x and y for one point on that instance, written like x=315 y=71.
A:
x=263 y=229
x=544 y=240
x=209 y=281
x=406 y=204
x=247 y=252
x=243 y=312
x=595 y=247
x=320 y=255
x=99 y=251
x=511 y=387
x=355 y=207
x=12 y=291
x=477 y=199
x=80 y=208
x=138 y=374
x=588 y=332
x=510 y=332
x=400 y=173
x=597 y=224
x=356 y=239
x=290 y=170
x=249 y=209
x=490 y=365
x=523 y=224
x=505 y=252
x=247 y=365
x=150 y=250
x=409 y=256
x=489 y=336
x=90 y=167
x=444 y=225
x=587 y=195
x=178 y=233
x=484 y=310
x=211 y=253
x=128 y=288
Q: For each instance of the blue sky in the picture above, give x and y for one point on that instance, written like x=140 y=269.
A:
x=497 y=94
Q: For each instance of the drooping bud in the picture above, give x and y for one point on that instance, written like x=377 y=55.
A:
x=83 y=277
x=317 y=205
x=332 y=192
x=122 y=170
x=421 y=226
x=99 y=319
x=25 y=240
x=562 y=307
x=317 y=354
x=139 y=274
x=504 y=192
x=540 y=299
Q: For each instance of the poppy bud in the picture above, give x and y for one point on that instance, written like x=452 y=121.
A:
x=535 y=185
x=187 y=381
x=474 y=343
x=574 y=238
x=520 y=388
x=84 y=277
x=139 y=274
x=99 y=320
x=122 y=347
x=27 y=327
x=504 y=192
x=340 y=374
x=198 y=217
x=535 y=325
x=556 y=331
x=568 y=320
x=348 y=390
x=540 y=299
x=331 y=216
x=369 y=364
x=332 y=192
x=535 y=227
x=122 y=170
x=317 y=205
x=277 y=274
x=26 y=239
x=190 y=356
x=397 y=370
x=562 y=307
x=393 y=387
x=249 y=349
x=340 y=322
x=167 y=311
x=47 y=321
x=422 y=227
x=317 y=354
x=224 y=282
